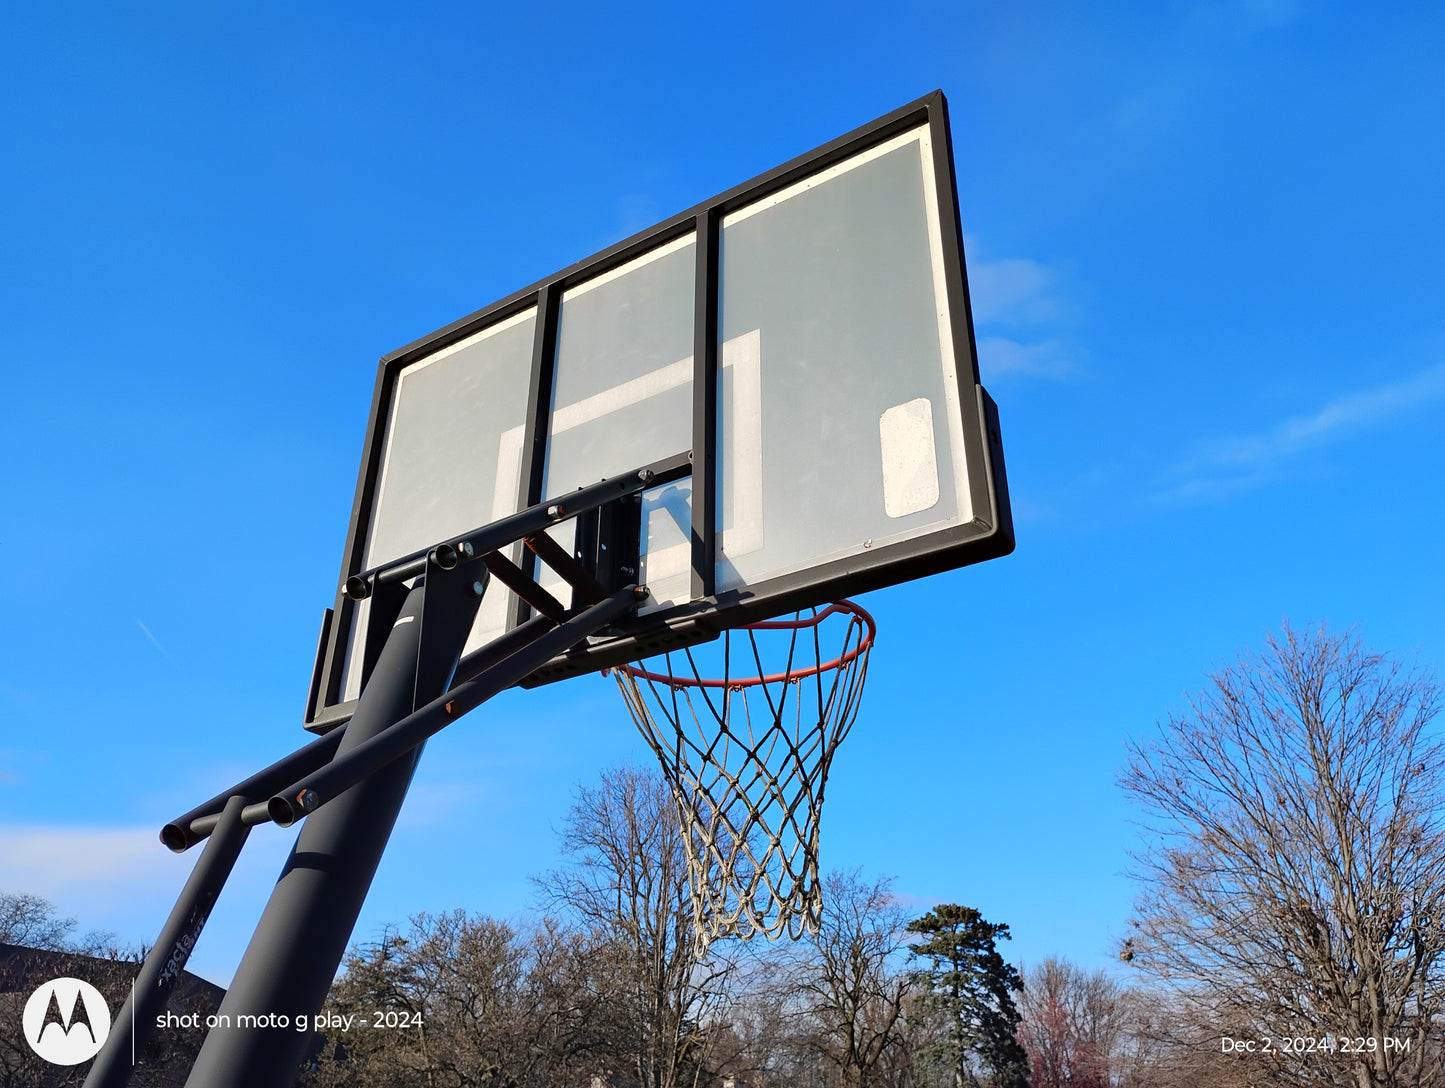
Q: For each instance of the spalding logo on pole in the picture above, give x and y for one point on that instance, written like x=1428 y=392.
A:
x=66 y=1021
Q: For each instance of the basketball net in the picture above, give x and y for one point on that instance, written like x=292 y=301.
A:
x=746 y=754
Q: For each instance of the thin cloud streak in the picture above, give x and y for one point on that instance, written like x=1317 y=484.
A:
x=1339 y=417
x=1227 y=465
x=154 y=641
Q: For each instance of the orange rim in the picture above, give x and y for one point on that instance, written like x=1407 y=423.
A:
x=858 y=615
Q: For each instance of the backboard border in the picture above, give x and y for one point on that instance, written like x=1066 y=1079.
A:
x=983 y=538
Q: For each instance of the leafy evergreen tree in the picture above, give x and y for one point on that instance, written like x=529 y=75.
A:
x=971 y=986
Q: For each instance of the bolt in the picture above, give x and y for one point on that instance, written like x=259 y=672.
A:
x=309 y=800
x=640 y=592
x=645 y=475
x=478 y=589
x=867 y=543
x=556 y=511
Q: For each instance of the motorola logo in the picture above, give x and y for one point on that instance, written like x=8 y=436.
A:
x=66 y=1021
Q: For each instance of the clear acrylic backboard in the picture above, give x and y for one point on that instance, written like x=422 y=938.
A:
x=805 y=337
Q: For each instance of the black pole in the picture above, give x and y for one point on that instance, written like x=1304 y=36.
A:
x=158 y=975
x=298 y=944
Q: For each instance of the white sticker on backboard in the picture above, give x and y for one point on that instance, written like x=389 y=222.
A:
x=910 y=467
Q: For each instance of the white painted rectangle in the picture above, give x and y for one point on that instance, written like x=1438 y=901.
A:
x=910 y=466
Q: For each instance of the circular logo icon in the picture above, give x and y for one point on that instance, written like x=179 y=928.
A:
x=66 y=1021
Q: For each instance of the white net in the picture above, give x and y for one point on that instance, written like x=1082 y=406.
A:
x=747 y=753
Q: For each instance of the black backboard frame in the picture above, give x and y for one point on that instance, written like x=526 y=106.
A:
x=987 y=536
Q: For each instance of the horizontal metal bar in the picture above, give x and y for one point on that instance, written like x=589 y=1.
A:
x=413 y=568
x=315 y=789
x=251 y=815
x=185 y=831
x=498 y=534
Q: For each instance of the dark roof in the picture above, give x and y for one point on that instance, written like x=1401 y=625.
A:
x=167 y=1057
x=22 y=969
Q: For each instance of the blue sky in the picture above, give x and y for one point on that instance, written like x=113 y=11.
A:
x=1203 y=240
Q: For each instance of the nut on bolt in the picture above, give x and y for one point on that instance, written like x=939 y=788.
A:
x=640 y=593
x=556 y=511
x=645 y=475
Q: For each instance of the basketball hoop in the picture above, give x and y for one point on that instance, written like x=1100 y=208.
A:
x=746 y=754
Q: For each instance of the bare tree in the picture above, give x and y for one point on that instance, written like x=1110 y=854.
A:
x=1294 y=879
x=848 y=979
x=1082 y=1029
x=627 y=887
x=454 y=1007
x=31 y=921
x=572 y=987
x=776 y=1039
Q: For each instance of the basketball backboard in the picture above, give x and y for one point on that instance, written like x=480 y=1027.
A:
x=805 y=337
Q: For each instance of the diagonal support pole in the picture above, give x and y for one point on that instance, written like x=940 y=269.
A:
x=158 y=975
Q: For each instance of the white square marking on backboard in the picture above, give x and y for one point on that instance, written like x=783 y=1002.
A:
x=743 y=355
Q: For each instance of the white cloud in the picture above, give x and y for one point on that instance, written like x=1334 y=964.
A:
x=100 y=861
x=1015 y=291
x=998 y=355
x=123 y=880
x=1016 y=313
